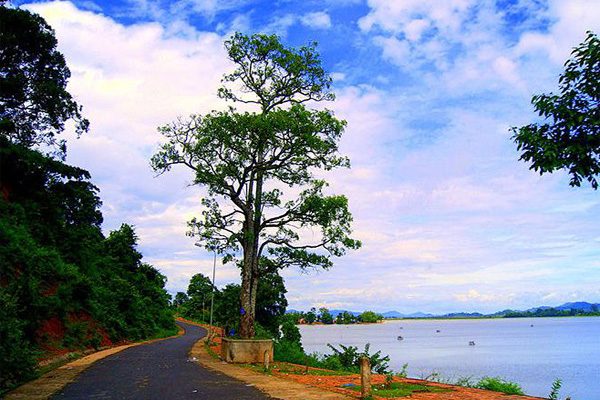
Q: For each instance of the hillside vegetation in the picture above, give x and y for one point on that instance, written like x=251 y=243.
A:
x=63 y=284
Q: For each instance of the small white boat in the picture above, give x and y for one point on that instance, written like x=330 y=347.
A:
x=400 y=338
x=471 y=343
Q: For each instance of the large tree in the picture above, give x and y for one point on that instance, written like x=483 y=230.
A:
x=34 y=102
x=247 y=159
x=569 y=136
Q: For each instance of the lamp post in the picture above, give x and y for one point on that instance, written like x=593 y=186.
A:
x=212 y=299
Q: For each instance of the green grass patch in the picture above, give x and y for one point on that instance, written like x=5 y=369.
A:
x=300 y=370
x=499 y=385
x=286 y=368
x=400 y=389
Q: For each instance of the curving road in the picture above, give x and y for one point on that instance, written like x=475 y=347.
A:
x=158 y=370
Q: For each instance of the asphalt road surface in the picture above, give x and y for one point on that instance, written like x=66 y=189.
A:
x=159 y=370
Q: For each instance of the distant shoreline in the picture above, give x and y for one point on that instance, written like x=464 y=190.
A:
x=449 y=319
x=489 y=317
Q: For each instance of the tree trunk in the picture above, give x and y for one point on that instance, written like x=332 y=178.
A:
x=247 y=312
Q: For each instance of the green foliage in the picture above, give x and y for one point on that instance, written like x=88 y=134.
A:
x=403 y=373
x=325 y=316
x=290 y=332
x=401 y=389
x=195 y=304
x=554 y=392
x=349 y=357
x=345 y=318
x=499 y=385
x=245 y=159
x=180 y=299
x=549 y=312
x=17 y=358
x=279 y=75
x=285 y=350
x=570 y=139
x=34 y=102
x=311 y=316
x=370 y=317
x=271 y=302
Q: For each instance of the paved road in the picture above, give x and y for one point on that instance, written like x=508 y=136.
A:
x=159 y=370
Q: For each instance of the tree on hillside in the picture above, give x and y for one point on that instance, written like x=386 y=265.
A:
x=569 y=137
x=34 y=102
x=246 y=161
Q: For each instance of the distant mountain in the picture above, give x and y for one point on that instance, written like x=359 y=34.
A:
x=393 y=314
x=579 y=305
x=419 y=315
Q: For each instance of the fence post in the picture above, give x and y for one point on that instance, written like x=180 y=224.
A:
x=365 y=377
x=266 y=359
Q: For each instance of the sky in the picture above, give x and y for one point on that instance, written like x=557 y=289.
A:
x=449 y=218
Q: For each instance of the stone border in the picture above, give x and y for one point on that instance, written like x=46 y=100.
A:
x=51 y=382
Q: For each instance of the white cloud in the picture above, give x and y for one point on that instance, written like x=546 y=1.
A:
x=316 y=20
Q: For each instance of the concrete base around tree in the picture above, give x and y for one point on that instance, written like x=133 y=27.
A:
x=247 y=350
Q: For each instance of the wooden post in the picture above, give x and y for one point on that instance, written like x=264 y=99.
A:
x=266 y=359
x=365 y=378
x=305 y=365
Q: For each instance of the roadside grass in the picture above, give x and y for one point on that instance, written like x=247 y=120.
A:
x=210 y=351
x=494 y=384
x=499 y=385
x=399 y=389
x=294 y=369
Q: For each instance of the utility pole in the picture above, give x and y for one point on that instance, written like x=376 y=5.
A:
x=212 y=299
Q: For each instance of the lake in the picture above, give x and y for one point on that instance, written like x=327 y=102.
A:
x=533 y=356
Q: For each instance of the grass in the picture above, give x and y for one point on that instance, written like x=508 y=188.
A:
x=293 y=369
x=399 y=389
x=300 y=370
x=210 y=351
x=499 y=385
x=495 y=384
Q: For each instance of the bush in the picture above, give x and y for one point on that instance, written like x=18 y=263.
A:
x=17 y=359
x=291 y=352
x=349 y=358
x=499 y=385
x=291 y=333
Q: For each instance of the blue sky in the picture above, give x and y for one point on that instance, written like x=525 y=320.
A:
x=449 y=219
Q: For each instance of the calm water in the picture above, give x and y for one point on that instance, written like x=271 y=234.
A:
x=533 y=356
